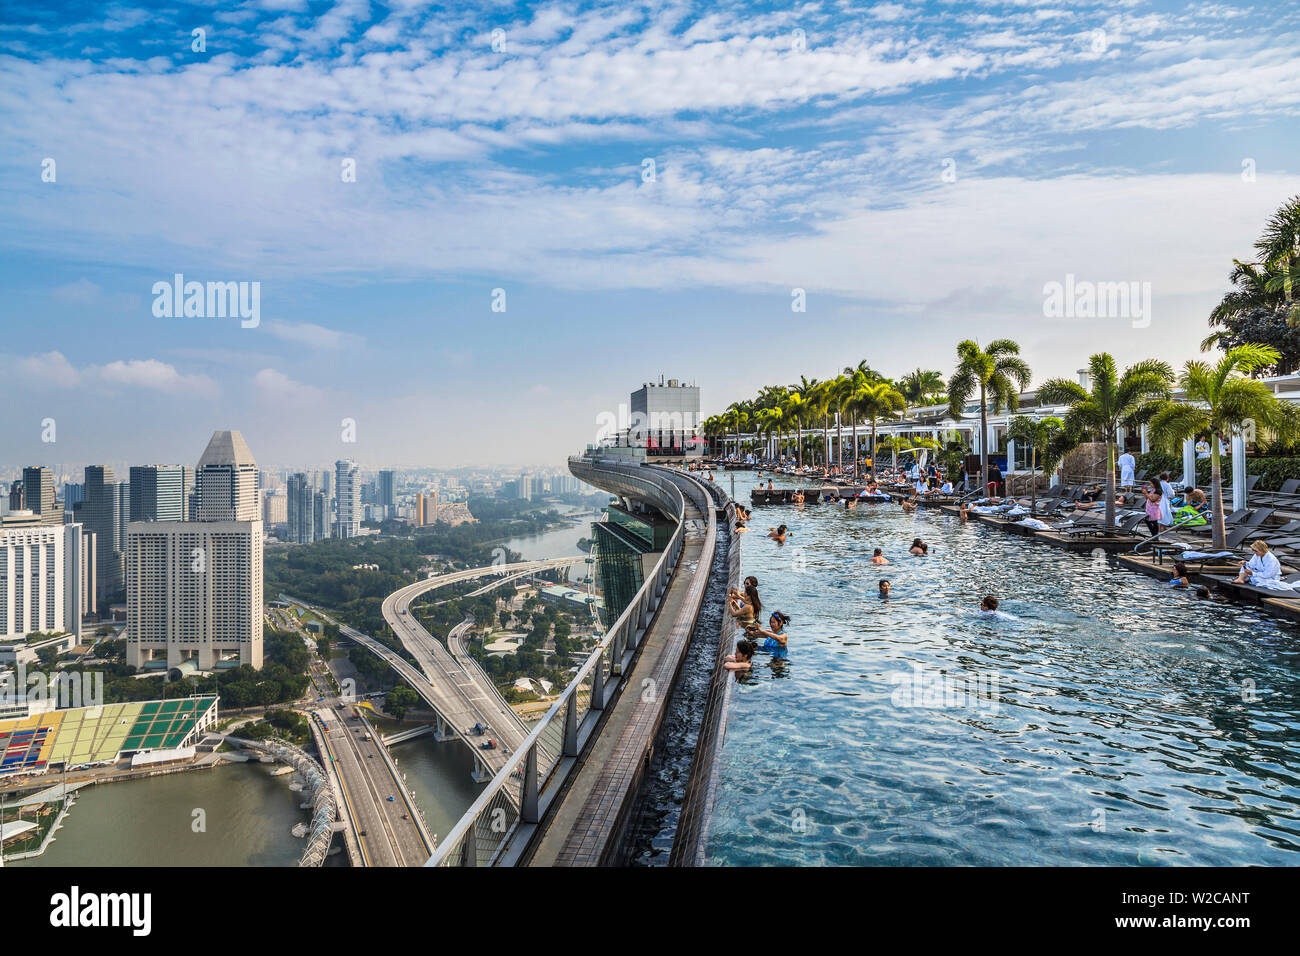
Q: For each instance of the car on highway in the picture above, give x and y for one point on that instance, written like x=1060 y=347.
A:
x=391 y=799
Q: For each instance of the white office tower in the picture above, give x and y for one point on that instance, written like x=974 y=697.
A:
x=194 y=588
x=225 y=482
x=41 y=580
x=347 y=493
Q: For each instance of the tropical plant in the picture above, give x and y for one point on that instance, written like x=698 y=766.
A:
x=919 y=384
x=797 y=410
x=873 y=401
x=1114 y=402
x=1045 y=439
x=997 y=372
x=1222 y=402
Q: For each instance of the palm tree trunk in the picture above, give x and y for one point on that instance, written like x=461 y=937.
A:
x=1110 y=480
x=984 y=441
x=839 y=443
x=1216 y=485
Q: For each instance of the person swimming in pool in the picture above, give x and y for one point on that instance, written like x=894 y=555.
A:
x=742 y=658
x=1181 y=578
x=918 y=547
x=989 y=608
x=884 y=587
x=775 y=637
x=879 y=557
x=778 y=534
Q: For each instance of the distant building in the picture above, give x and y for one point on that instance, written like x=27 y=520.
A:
x=194 y=588
x=300 y=509
x=664 y=416
x=275 y=508
x=41 y=579
x=348 y=497
x=157 y=493
x=387 y=489
x=38 y=494
x=100 y=516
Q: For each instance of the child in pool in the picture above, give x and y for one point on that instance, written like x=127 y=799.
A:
x=740 y=661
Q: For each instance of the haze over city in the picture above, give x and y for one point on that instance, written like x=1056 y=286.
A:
x=647 y=185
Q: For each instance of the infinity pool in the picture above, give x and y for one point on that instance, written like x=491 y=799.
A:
x=1111 y=721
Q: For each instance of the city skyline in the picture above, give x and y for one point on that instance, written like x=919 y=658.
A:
x=564 y=182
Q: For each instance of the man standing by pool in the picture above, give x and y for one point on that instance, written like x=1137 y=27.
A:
x=1127 y=464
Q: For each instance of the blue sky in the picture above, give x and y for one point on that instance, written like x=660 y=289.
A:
x=797 y=146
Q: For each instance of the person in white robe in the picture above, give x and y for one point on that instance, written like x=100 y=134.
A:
x=1263 y=570
x=1166 y=501
x=1127 y=465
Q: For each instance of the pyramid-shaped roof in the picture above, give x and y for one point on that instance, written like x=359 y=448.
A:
x=227 y=448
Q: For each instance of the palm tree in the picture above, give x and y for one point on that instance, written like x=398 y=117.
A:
x=1043 y=436
x=797 y=409
x=920 y=383
x=1115 y=402
x=872 y=402
x=737 y=417
x=998 y=372
x=767 y=421
x=1222 y=402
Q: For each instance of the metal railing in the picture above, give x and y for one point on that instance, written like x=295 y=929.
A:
x=498 y=827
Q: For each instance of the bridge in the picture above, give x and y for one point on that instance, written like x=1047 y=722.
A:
x=567 y=792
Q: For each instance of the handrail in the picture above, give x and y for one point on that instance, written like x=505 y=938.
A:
x=1177 y=524
x=523 y=789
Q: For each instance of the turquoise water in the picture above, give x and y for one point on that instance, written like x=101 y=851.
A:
x=1110 y=721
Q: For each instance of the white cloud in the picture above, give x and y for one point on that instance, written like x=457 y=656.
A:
x=47 y=368
x=156 y=375
x=274 y=385
x=313 y=336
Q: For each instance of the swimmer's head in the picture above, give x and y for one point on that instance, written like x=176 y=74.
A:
x=745 y=649
x=884 y=586
x=879 y=553
x=990 y=603
x=778 y=620
x=1202 y=593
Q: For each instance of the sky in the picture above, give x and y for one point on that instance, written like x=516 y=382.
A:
x=475 y=228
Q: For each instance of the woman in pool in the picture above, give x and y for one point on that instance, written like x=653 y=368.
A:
x=963 y=511
x=740 y=608
x=740 y=661
x=778 y=534
x=884 y=587
x=879 y=557
x=909 y=505
x=751 y=596
x=919 y=547
x=1181 y=578
x=776 y=637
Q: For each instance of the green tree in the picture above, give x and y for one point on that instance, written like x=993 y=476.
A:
x=873 y=402
x=1223 y=402
x=919 y=384
x=997 y=372
x=1114 y=402
x=1044 y=438
x=399 y=701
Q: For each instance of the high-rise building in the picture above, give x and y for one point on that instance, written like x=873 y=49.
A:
x=348 y=496
x=665 y=416
x=194 y=588
x=100 y=516
x=41 y=580
x=320 y=515
x=16 y=496
x=274 y=508
x=225 y=482
x=387 y=489
x=157 y=493
x=300 y=508
x=123 y=511
x=73 y=494
x=38 y=494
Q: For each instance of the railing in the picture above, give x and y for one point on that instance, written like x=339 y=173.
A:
x=497 y=828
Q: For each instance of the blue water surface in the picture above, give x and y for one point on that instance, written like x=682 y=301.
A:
x=1105 y=719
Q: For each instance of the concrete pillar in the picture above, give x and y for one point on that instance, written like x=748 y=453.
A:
x=1238 y=472
x=1189 y=463
x=1146 y=442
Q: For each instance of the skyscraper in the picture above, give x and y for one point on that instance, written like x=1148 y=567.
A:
x=157 y=493
x=194 y=588
x=40 y=579
x=226 y=481
x=38 y=494
x=348 y=495
x=100 y=516
x=320 y=515
x=387 y=489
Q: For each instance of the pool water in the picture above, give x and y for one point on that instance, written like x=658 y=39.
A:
x=1105 y=720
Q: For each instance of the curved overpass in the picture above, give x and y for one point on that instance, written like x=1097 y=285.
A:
x=566 y=796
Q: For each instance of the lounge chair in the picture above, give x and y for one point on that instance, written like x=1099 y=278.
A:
x=1250 y=591
x=1287 y=491
x=1125 y=527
